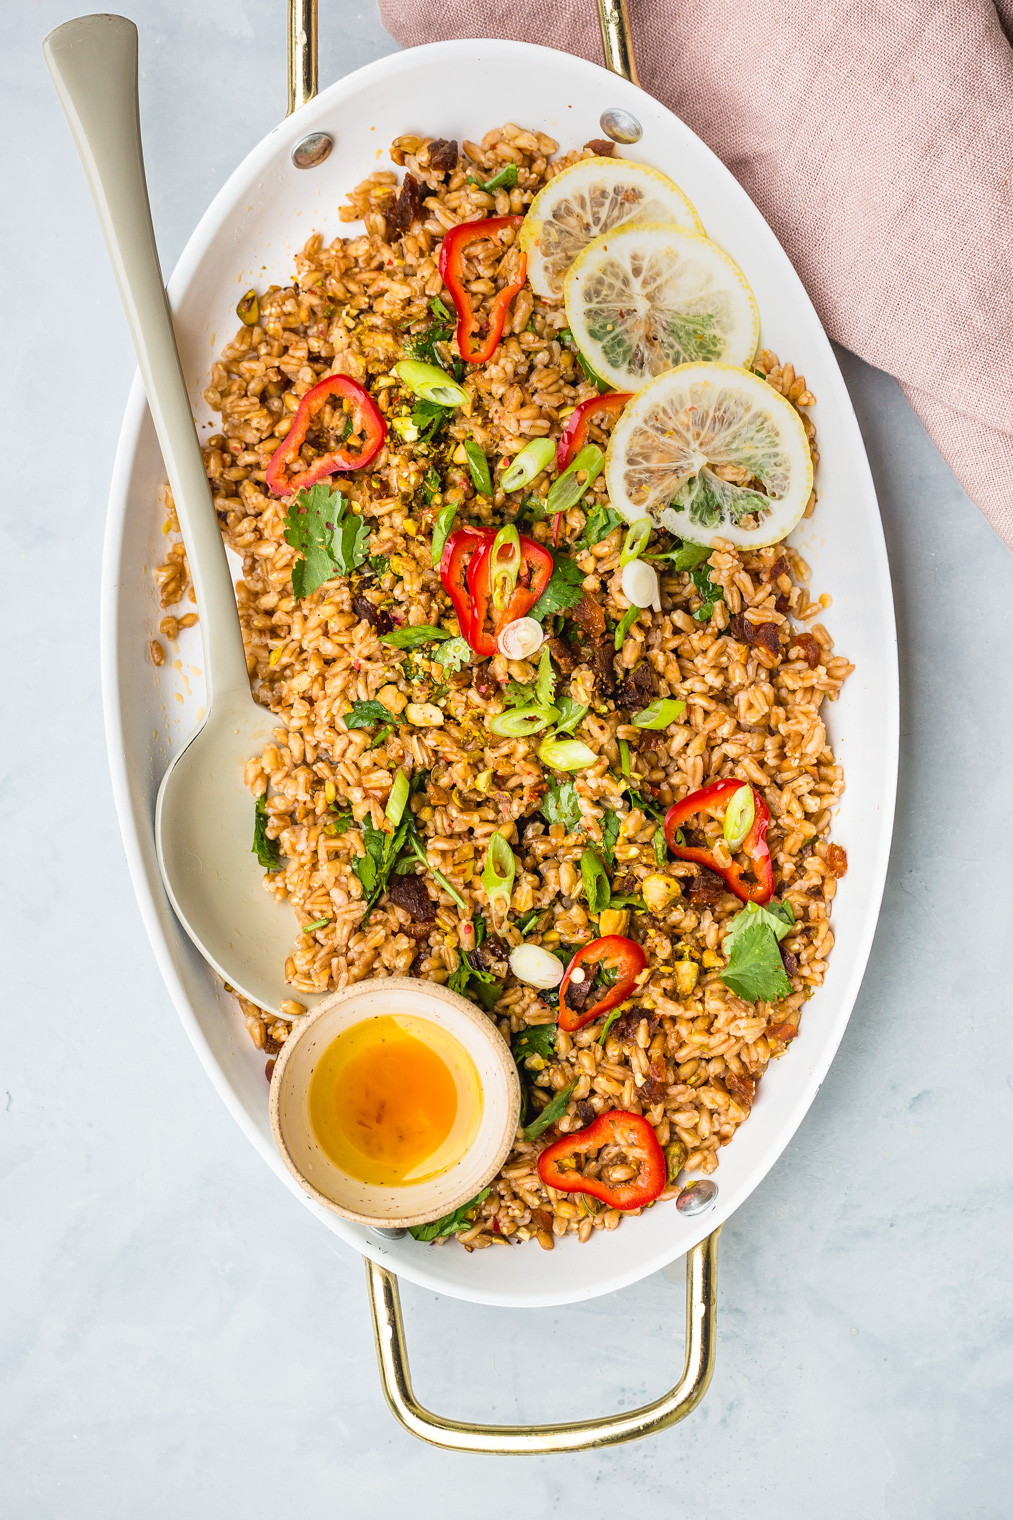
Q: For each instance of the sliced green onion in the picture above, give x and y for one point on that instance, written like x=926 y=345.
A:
x=566 y=754
x=521 y=725
x=430 y=382
x=442 y=525
x=531 y=461
x=660 y=713
x=567 y=490
x=629 y=618
x=597 y=889
x=739 y=816
x=498 y=877
x=397 y=799
x=478 y=466
x=545 y=683
x=636 y=538
x=319 y=923
x=504 y=565
x=624 y=757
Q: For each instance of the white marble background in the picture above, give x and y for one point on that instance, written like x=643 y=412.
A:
x=178 y=1337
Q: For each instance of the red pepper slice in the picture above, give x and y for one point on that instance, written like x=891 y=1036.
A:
x=452 y=273
x=461 y=547
x=488 y=622
x=557 y=1165
x=574 y=434
x=713 y=800
x=361 y=445
x=614 y=953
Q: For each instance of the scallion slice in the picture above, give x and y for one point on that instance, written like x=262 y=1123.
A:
x=397 y=799
x=531 y=461
x=522 y=724
x=633 y=543
x=430 y=382
x=498 y=877
x=567 y=490
x=739 y=816
x=660 y=713
x=566 y=754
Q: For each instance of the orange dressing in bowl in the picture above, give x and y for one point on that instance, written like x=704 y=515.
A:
x=394 y=1100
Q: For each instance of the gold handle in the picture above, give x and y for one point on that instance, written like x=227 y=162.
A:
x=302 y=52
x=614 y=20
x=575 y=1435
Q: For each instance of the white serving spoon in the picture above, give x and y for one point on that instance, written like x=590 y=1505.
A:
x=204 y=815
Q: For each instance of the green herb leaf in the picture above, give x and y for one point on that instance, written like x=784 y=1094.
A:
x=332 y=540
x=266 y=850
x=609 y=835
x=779 y=916
x=598 y=526
x=553 y=1110
x=596 y=883
x=711 y=594
x=660 y=844
x=374 y=865
x=478 y=467
x=684 y=556
x=755 y=971
x=562 y=805
x=365 y=714
x=428 y=417
x=527 y=921
x=570 y=714
x=453 y=655
x=423 y=345
x=414 y=638
x=486 y=989
x=442 y=525
x=341 y=823
x=564 y=590
x=450 y=1224
x=431 y=483
x=505 y=179
x=534 y=1040
x=518 y=695
x=629 y=618
x=379 y=564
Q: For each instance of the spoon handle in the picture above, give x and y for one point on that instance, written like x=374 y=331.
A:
x=93 y=61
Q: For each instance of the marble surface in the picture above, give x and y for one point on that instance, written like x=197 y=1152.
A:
x=178 y=1336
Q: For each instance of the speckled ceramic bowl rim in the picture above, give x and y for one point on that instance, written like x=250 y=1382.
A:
x=483 y=1033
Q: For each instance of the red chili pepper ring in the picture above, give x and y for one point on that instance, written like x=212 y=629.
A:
x=362 y=441
x=475 y=348
x=712 y=801
x=558 y=1163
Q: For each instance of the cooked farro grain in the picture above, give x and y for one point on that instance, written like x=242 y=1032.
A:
x=687 y=1053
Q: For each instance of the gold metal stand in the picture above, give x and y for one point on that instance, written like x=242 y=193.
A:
x=575 y=1435
x=701 y=1261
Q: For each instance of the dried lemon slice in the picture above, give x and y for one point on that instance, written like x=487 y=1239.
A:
x=593 y=196
x=711 y=452
x=644 y=299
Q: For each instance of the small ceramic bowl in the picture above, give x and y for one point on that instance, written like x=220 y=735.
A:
x=411 y=1203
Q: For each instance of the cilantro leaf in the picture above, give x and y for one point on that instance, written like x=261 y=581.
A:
x=779 y=916
x=343 y=820
x=597 y=889
x=379 y=564
x=599 y=525
x=422 y=345
x=453 y=655
x=412 y=638
x=564 y=590
x=486 y=990
x=609 y=835
x=332 y=541
x=505 y=179
x=685 y=556
x=518 y=695
x=570 y=714
x=450 y=1224
x=428 y=417
x=266 y=850
x=534 y=1040
x=562 y=805
x=365 y=714
x=374 y=865
x=710 y=593
x=553 y=1110
x=755 y=971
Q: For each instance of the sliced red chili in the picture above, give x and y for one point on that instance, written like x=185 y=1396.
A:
x=574 y=435
x=559 y=1163
x=711 y=801
x=460 y=547
x=360 y=443
x=487 y=621
x=610 y=969
x=475 y=346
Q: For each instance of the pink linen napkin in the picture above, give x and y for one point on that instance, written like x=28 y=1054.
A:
x=876 y=136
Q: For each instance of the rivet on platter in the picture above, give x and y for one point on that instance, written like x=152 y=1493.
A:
x=312 y=150
x=696 y=1197
x=622 y=126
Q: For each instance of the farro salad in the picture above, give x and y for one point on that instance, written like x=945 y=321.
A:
x=510 y=485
